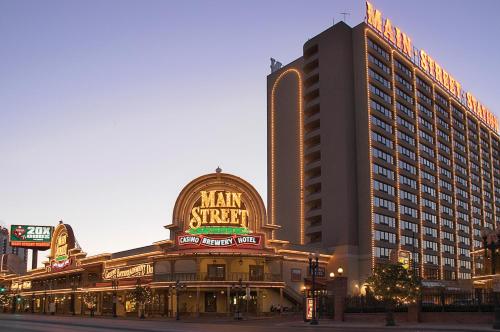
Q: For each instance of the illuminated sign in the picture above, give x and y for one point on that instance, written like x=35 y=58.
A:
x=26 y=236
x=62 y=252
x=63 y=241
x=240 y=241
x=19 y=285
x=309 y=308
x=404 y=258
x=218 y=212
x=61 y=264
x=420 y=58
x=133 y=271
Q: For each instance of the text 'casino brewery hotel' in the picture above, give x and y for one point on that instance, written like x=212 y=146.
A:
x=375 y=149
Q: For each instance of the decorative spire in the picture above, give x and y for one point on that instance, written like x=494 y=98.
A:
x=218 y=169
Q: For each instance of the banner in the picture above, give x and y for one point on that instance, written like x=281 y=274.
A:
x=239 y=241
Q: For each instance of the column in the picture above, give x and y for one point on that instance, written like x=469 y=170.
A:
x=197 y=301
x=281 y=300
x=228 y=300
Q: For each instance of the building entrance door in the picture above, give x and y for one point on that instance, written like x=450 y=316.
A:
x=210 y=302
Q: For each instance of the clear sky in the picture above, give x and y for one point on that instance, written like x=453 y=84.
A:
x=108 y=108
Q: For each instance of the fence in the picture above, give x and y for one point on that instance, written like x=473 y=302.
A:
x=431 y=300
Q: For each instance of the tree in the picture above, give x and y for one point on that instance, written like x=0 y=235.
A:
x=393 y=284
x=140 y=295
x=90 y=300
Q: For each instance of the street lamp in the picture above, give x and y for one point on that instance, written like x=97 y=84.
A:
x=340 y=270
x=313 y=269
x=238 y=299
x=332 y=275
x=491 y=241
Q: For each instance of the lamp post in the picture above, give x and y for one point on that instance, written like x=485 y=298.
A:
x=491 y=241
x=74 y=286
x=45 y=297
x=177 y=287
x=238 y=299
x=313 y=268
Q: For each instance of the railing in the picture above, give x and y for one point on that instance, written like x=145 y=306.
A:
x=231 y=276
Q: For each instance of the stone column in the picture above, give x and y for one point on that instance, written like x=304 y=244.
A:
x=281 y=300
x=338 y=286
x=228 y=300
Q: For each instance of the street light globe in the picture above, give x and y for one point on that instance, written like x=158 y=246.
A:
x=340 y=270
x=332 y=274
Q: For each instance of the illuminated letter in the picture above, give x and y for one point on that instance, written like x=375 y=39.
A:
x=207 y=200
x=446 y=79
x=407 y=45
x=196 y=219
x=244 y=215
x=439 y=73
x=237 y=200
x=374 y=17
x=452 y=85
x=423 y=60
x=214 y=216
x=459 y=88
x=234 y=216
x=399 y=39
x=431 y=66
x=469 y=100
x=389 y=31
x=220 y=200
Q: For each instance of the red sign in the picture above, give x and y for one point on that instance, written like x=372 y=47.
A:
x=61 y=265
x=309 y=308
x=233 y=241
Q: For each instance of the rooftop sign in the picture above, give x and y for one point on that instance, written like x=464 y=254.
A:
x=427 y=64
x=26 y=236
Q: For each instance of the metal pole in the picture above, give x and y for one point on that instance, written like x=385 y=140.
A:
x=177 y=317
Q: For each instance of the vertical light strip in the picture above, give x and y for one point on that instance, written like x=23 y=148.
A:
x=483 y=217
x=419 y=176
x=469 y=182
x=492 y=181
x=438 y=177
x=455 y=217
x=372 y=235
x=396 y=142
x=301 y=151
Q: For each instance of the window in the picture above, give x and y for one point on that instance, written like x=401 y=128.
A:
x=377 y=169
x=384 y=220
x=429 y=217
x=405 y=124
x=429 y=177
x=448 y=249
x=408 y=211
x=408 y=139
x=408 y=226
x=382 y=124
x=382 y=155
x=385 y=236
x=384 y=187
x=384 y=203
x=428 y=203
x=404 y=195
x=381 y=109
x=431 y=245
x=431 y=259
x=407 y=181
x=379 y=78
x=423 y=97
x=216 y=271
x=382 y=140
x=378 y=49
x=428 y=190
x=425 y=123
x=443 y=147
x=404 y=82
x=403 y=68
x=296 y=275
x=381 y=252
x=409 y=241
x=447 y=236
x=405 y=109
x=430 y=231
x=404 y=95
x=426 y=136
x=380 y=93
x=379 y=64
x=424 y=110
x=407 y=167
x=406 y=152
x=427 y=163
x=426 y=149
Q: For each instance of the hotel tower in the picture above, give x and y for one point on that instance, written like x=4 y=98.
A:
x=375 y=151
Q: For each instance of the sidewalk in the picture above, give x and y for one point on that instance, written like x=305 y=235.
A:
x=328 y=324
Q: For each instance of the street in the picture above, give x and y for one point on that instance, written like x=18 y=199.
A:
x=32 y=323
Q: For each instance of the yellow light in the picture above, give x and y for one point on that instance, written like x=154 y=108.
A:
x=332 y=275
x=301 y=151
x=340 y=270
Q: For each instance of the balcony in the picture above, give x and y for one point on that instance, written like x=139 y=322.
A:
x=230 y=276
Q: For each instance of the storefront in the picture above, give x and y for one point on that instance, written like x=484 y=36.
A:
x=221 y=259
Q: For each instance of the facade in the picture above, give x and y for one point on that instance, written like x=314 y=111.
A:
x=221 y=258
x=5 y=249
x=375 y=150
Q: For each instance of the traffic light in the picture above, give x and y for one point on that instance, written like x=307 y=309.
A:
x=2 y=289
x=18 y=298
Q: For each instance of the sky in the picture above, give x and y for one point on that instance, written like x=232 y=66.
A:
x=109 y=108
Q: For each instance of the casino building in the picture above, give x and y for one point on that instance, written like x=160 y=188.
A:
x=222 y=257
x=374 y=149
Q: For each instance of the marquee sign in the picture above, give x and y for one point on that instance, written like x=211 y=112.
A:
x=421 y=59
x=27 y=236
x=63 y=242
x=239 y=241
x=134 y=271
x=219 y=212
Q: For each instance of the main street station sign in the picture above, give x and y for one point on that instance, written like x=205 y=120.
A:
x=134 y=271
x=28 y=236
x=219 y=211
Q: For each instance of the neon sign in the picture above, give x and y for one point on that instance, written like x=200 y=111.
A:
x=421 y=59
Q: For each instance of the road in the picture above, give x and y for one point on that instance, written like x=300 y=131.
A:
x=35 y=323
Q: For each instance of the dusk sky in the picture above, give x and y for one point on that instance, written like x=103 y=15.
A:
x=109 y=108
